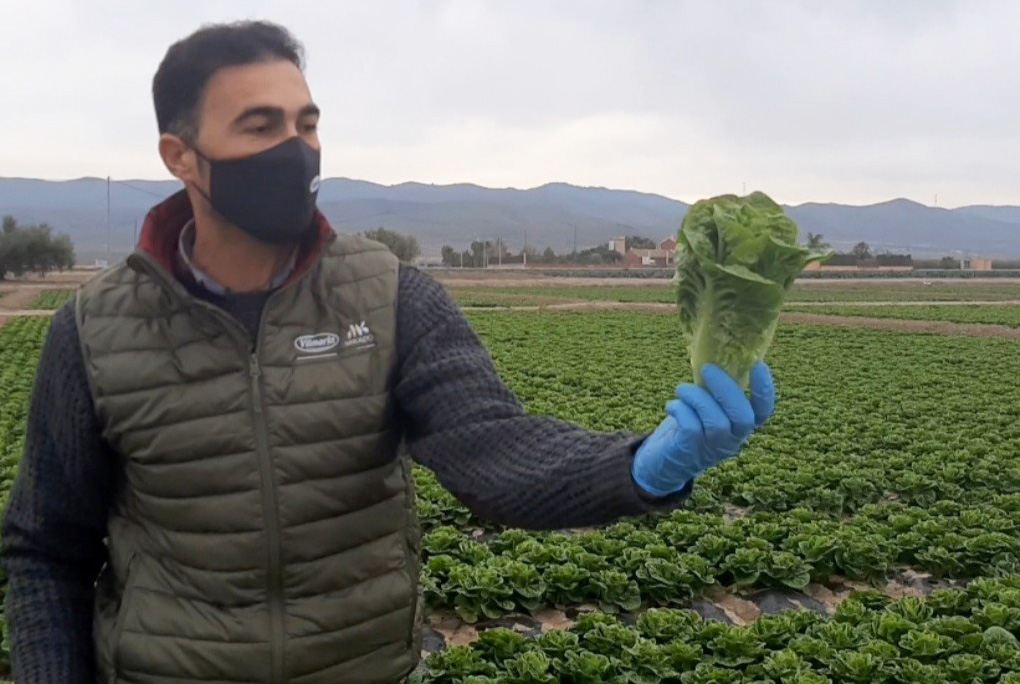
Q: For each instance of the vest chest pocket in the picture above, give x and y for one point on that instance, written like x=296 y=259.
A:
x=357 y=371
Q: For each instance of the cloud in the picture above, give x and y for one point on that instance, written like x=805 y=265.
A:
x=854 y=102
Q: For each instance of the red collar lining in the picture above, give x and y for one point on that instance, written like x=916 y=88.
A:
x=162 y=228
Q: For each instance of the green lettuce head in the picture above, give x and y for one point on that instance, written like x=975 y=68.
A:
x=736 y=257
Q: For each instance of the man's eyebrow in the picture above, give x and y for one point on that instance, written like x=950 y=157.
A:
x=272 y=113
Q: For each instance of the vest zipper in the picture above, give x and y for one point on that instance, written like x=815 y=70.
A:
x=269 y=502
x=272 y=520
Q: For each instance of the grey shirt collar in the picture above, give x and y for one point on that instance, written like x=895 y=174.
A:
x=186 y=250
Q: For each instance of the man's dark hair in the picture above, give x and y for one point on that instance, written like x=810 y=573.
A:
x=188 y=65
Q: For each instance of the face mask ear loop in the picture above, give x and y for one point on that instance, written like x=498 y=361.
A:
x=204 y=195
x=198 y=189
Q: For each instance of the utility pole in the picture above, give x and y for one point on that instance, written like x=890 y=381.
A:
x=107 y=220
x=499 y=246
x=485 y=254
x=575 y=243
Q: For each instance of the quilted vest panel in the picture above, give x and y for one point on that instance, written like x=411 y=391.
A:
x=264 y=529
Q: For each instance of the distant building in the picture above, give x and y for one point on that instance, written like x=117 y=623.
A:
x=816 y=266
x=661 y=257
x=637 y=258
x=618 y=244
x=976 y=264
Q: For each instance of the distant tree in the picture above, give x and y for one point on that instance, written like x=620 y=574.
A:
x=599 y=255
x=814 y=241
x=640 y=242
x=404 y=246
x=549 y=255
x=948 y=262
x=449 y=256
x=862 y=251
x=500 y=246
x=64 y=252
x=32 y=249
x=894 y=260
x=483 y=253
x=843 y=259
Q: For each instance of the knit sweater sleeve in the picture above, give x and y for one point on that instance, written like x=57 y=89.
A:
x=506 y=465
x=55 y=521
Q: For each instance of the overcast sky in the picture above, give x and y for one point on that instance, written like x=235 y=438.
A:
x=855 y=101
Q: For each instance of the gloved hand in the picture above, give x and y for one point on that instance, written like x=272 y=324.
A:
x=705 y=426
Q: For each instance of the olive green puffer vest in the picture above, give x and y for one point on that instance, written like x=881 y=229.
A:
x=265 y=529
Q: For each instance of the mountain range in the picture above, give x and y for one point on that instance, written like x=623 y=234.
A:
x=546 y=216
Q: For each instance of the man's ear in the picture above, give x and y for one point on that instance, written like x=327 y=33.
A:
x=179 y=158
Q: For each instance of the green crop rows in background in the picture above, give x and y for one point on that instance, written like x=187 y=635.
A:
x=887 y=450
x=965 y=636
x=52 y=299
x=20 y=343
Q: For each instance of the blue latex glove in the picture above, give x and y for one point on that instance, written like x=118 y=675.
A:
x=705 y=426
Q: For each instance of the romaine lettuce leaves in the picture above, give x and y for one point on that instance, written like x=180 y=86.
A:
x=736 y=258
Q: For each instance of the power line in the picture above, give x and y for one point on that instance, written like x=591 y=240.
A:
x=137 y=189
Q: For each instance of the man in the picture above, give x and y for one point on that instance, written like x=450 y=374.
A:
x=211 y=488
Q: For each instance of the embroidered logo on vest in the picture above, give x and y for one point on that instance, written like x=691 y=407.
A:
x=358 y=336
x=317 y=344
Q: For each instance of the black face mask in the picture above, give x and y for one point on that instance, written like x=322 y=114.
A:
x=270 y=195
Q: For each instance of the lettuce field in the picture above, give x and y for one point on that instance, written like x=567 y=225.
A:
x=870 y=532
x=20 y=343
x=52 y=299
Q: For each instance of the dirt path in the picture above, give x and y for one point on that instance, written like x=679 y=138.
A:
x=836 y=282
x=555 y=281
x=510 y=279
x=939 y=327
x=586 y=305
x=934 y=302
x=17 y=299
x=583 y=303
x=26 y=312
x=7 y=287
x=11 y=314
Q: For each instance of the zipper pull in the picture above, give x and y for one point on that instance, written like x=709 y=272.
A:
x=255 y=372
